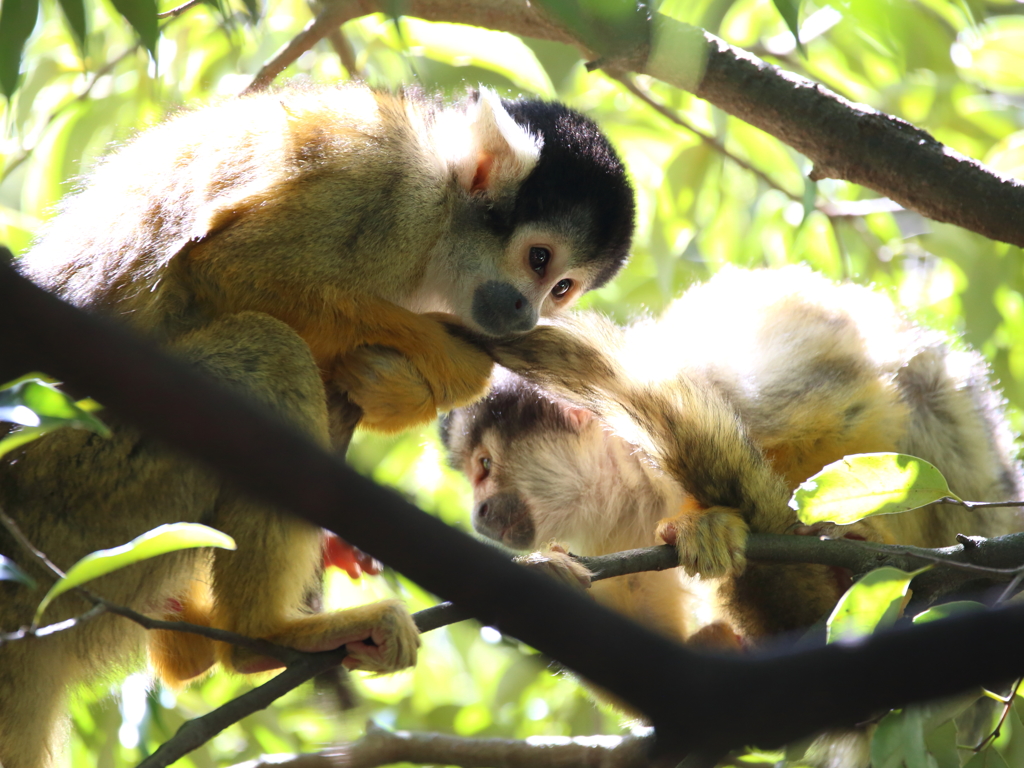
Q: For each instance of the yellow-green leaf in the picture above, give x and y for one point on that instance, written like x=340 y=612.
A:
x=866 y=484
x=159 y=541
x=873 y=602
x=36 y=403
x=948 y=609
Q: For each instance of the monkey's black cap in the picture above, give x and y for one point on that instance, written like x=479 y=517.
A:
x=579 y=177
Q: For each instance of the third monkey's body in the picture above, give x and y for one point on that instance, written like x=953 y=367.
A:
x=712 y=415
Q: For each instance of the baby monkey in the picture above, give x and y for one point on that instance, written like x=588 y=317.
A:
x=694 y=430
x=305 y=247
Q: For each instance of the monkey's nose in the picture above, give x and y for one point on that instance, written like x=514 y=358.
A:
x=501 y=309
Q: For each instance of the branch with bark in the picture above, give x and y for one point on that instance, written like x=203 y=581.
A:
x=842 y=139
x=268 y=459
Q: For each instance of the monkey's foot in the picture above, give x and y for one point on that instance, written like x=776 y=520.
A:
x=711 y=542
x=379 y=637
x=556 y=562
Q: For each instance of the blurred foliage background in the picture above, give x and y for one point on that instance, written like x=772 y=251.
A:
x=952 y=67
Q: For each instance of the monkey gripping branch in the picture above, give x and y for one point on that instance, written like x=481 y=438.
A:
x=838 y=684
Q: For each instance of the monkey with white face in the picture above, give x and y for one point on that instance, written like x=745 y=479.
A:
x=695 y=428
x=308 y=248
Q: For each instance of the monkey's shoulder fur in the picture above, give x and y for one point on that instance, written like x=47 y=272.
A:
x=696 y=427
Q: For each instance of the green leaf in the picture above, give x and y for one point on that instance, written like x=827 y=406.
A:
x=987 y=758
x=9 y=571
x=872 y=603
x=606 y=26
x=887 y=742
x=866 y=484
x=159 y=541
x=141 y=14
x=949 y=609
x=790 y=12
x=17 y=20
x=39 y=408
x=461 y=45
x=74 y=12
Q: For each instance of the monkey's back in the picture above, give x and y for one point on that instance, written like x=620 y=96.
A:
x=818 y=370
x=271 y=194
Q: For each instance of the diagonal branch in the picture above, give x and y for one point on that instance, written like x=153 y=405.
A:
x=842 y=139
x=268 y=459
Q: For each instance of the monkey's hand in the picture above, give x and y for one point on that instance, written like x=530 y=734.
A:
x=557 y=563
x=379 y=637
x=396 y=388
x=711 y=542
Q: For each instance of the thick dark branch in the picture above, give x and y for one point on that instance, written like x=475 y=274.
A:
x=839 y=685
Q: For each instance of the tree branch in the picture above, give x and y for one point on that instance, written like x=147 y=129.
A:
x=843 y=140
x=260 y=455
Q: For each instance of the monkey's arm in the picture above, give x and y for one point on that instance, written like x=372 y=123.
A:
x=685 y=423
x=407 y=367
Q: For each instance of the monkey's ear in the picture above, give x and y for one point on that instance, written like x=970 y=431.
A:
x=577 y=415
x=501 y=154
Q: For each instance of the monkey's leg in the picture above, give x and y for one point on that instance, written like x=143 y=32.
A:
x=260 y=589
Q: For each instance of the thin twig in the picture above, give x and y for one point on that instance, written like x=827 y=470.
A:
x=1007 y=706
x=978 y=504
x=648 y=98
x=15 y=531
x=179 y=10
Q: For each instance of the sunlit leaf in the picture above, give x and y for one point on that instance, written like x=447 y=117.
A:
x=39 y=408
x=159 y=541
x=17 y=20
x=865 y=484
x=872 y=603
x=9 y=571
x=945 y=610
x=35 y=403
x=461 y=45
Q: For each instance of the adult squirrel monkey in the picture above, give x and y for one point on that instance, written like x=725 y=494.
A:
x=694 y=429
x=293 y=245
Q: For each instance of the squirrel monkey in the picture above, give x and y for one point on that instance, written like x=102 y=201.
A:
x=293 y=245
x=694 y=429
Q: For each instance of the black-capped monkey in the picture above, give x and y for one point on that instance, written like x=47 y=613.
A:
x=292 y=245
x=694 y=429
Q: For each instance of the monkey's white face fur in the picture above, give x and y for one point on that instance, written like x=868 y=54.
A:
x=574 y=482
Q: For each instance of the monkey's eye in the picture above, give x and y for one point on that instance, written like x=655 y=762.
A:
x=561 y=288
x=485 y=466
x=539 y=258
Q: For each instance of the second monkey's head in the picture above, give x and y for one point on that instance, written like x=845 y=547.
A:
x=545 y=214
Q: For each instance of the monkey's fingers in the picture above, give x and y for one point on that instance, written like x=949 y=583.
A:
x=711 y=542
x=558 y=564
